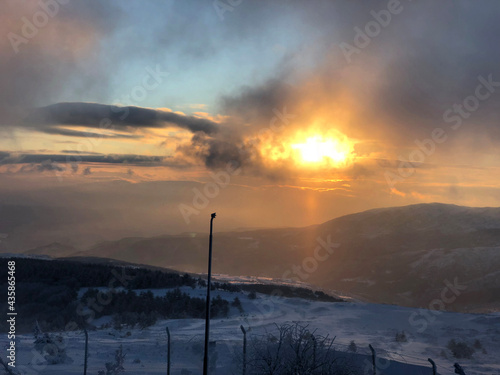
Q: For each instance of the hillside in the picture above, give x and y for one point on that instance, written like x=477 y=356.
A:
x=401 y=255
x=136 y=319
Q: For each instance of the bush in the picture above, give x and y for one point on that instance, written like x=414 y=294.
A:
x=252 y=295
x=477 y=344
x=219 y=308
x=52 y=348
x=115 y=368
x=293 y=349
x=352 y=347
x=237 y=303
x=460 y=349
x=401 y=337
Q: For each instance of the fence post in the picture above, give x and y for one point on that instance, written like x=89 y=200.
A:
x=373 y=359
x=433 y=366
x=86 y=351
x=458 y=369
x=314 y=349
x=244 y=349
x=6 y=367
x=168 y=352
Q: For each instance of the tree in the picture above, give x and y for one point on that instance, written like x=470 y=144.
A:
x=237 y=303
x=115 y=368
x=352 y=347
x=293 y=349
x=51 y=347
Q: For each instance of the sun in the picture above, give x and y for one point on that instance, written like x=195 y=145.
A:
x=318 y=149
x=308 y=148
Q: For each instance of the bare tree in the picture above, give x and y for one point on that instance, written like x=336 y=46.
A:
x=293 y=349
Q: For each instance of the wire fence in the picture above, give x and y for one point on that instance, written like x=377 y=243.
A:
x=148 y=348
x=225 y=353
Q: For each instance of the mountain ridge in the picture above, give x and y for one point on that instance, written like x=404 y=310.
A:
x=402 y=255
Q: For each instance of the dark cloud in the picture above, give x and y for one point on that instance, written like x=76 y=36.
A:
x=45 y=165
x=396 y=89
x=111 y=117
x=45 y=159
x=84 y=134
x=80 y=152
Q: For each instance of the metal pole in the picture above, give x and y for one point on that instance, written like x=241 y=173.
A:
x=458 y=369
x=244 y=350
x=374 y=360
x=86 y=351
x=433 y=366
x=207 y=316
x=168 y=352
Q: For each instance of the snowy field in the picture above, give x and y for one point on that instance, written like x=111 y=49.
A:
x=427 y=332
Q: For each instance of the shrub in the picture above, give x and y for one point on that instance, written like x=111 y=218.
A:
x=477 y=344
x=51 y=347
x=219 y=308
x=352 y=347
x=115 y=368
x=401 y=337
x=293 y=349
x=460 y=349
x=252 y=295
x=237 y=303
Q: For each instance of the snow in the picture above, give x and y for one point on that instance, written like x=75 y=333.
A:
x=364 y=323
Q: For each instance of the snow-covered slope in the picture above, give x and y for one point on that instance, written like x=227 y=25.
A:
x=364 y=323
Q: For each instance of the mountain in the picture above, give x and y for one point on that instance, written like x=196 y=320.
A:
x=402 y=255
x=54 y=249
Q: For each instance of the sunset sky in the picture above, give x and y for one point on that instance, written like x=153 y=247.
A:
x=137 y=117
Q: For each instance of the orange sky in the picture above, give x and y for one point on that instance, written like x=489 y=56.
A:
x=134 y=120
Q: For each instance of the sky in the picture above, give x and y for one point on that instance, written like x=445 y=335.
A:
x=140 y=118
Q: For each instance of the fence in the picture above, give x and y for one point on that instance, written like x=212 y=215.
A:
x=149 y=350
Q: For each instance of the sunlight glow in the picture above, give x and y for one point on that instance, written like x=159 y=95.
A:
x=310 y=148
x=317 y=149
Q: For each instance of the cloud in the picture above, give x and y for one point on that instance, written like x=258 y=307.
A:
x=57 y=59
x=45 y=162
x=395 y=91
x=45 y=165
x=84 y=134
x=109 y=117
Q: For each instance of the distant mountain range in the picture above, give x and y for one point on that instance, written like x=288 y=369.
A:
x=401 y=255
